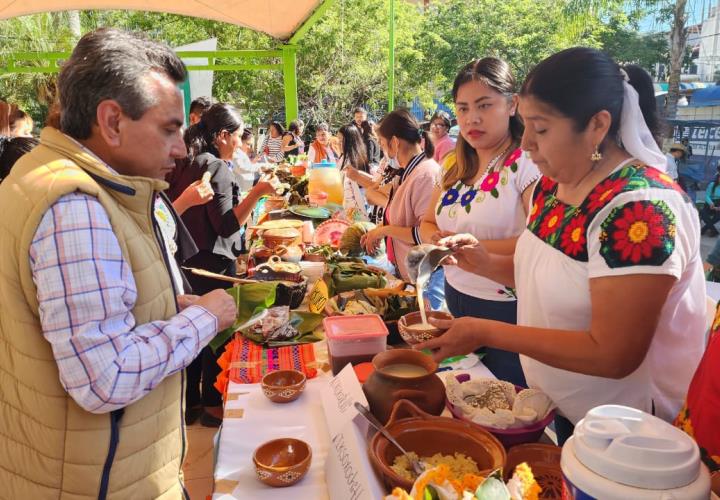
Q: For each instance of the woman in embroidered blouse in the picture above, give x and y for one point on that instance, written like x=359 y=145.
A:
x=608 y=271
x=484 y=191
x=400 y=136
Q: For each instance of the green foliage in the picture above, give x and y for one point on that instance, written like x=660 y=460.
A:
x=342 y=60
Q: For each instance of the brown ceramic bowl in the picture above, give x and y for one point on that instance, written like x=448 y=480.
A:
x=415 y=336
x=544 y=460
x=282 y=462
x=427 y=435
x=283 y=386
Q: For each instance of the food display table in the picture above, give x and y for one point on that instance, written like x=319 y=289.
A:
x=251 y=419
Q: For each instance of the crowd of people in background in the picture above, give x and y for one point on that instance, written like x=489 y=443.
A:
x=567 y=228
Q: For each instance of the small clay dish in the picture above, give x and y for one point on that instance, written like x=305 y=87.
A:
x=282 y=462
x=415 y=336
x=544 y=461
x=283 y=386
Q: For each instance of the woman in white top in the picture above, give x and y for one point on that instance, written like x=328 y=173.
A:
x=484 y=191
x=608 y=271
x=246 y=170
x=354 y=157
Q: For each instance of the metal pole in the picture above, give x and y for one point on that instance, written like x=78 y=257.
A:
x=290 y=81
x=391 y=58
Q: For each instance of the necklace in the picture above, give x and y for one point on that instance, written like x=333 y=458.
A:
x=493 y=163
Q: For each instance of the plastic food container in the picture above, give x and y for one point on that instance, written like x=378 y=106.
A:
x=354 y=339
x=619 y=453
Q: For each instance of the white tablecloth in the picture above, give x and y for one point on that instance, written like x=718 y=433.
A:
x=251 y=419
x=260 y=421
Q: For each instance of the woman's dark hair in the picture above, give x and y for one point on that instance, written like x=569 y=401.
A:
x=11 y=149
x=580 y=82
x=246 y=134
x=200 y=138
x=10 y=118
x=368 y=131
x=200 y=105
x=278 y=126
x=497 y=75
x=353 y=153
x=295 y=126
x=441 y=115
x=402 y=124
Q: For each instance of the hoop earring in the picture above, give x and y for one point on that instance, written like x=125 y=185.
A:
x=597 y=155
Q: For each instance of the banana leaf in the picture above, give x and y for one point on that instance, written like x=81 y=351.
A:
x=306 y=323
x=250 y=299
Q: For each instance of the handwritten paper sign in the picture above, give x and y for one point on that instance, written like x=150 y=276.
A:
x=347 y=470
x=319 y=296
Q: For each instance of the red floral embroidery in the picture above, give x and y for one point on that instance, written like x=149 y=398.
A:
x=604 y=192
x=662 y=179
x=537 y=207
x=490 y=181
x=513 y=156
x=546 y=183
x=640 y=229
x=572 y=240
x=552 y=221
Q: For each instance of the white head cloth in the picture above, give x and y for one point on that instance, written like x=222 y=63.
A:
x=634 y=134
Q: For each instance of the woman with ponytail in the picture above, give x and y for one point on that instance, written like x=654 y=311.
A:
x=415 y=171
x=215 y=227
x=484 y=191
x=608 y=271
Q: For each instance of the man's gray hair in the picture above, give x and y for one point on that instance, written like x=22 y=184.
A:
x=111 y=64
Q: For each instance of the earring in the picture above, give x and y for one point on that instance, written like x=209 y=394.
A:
x=597 y=155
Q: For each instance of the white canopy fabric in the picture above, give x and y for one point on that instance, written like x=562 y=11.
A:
x=278 y=18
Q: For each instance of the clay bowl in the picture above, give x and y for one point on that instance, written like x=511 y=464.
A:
x=413 y=336
x=282 y=462
x=283 y=386
x=285 y=236
x=275 y=203
x=298 y=170
x=544 y=460
x=508 y=437
x=426 y=435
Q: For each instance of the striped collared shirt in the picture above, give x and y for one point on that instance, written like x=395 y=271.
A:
x=86 y=292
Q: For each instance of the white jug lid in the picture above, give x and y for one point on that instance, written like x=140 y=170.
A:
x=632 y=447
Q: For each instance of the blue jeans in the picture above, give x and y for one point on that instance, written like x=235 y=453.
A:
x=504 y=365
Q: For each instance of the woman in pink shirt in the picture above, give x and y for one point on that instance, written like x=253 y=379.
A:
x=439 y=127
x=415 y=171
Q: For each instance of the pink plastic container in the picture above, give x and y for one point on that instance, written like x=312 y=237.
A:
x=508 y=437
x=354 y=339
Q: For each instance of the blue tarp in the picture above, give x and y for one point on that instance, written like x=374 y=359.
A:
x=709 y=96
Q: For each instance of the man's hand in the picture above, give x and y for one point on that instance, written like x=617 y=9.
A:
x=185 y=301
x=221 y=305
x=463 y=336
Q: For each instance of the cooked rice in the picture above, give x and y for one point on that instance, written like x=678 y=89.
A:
x=458 y=463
